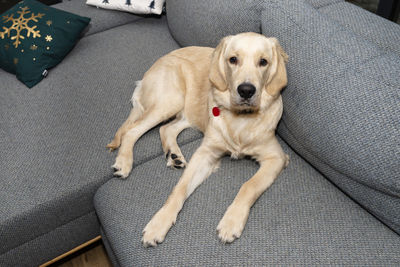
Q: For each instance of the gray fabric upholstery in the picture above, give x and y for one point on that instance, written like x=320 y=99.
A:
x=54 y=135
x=341 y=105
x=382 y=32
x=206 y=22
x=53 y=243
x=302 y=219
x=101 y=19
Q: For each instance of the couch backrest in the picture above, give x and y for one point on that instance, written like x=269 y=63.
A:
x=206 y=22
x=341 y=105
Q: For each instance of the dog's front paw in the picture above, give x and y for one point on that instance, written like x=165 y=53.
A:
x=175 y=160
x=122 y=166
x=231 y=225
x=158 y=227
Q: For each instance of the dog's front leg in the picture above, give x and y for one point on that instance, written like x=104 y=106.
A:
x=202 y=163
x=232 y=223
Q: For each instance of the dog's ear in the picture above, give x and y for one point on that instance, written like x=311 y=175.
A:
x=217 y=68
x=278 y=77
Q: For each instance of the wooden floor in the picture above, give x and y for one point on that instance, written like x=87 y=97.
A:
x=91 y=256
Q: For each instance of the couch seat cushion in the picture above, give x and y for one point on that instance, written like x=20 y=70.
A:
x=54 y=137
x=301 y=219
x=341 y=105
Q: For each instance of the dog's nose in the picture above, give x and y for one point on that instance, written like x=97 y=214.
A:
x=246 y=90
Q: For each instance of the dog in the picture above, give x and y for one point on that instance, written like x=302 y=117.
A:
x=231 y=94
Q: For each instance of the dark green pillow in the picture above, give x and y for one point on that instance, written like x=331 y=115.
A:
x=35 y=38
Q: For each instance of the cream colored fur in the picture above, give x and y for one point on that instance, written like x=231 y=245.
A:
x=187 y=83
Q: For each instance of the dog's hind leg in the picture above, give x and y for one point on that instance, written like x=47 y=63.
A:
x=168 y=134
x=136 y=113
x=160 y=95
x=155 y=110
x=133 y=116
x=124 y=160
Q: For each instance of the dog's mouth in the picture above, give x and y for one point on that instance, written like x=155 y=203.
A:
x=245 y=107
x=245 y=111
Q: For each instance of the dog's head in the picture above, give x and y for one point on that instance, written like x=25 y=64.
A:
x=244 y=67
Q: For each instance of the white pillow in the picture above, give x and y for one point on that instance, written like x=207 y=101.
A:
x=133 y=6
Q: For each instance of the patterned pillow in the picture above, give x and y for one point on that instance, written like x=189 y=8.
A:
x=35 y=38
x=133 y=6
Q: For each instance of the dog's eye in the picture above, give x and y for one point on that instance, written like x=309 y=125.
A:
x=233 y=60
x=263 y=62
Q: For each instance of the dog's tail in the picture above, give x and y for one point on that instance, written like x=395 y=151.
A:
x=135 y=100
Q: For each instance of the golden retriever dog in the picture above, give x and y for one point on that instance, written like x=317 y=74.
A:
x=231 y=94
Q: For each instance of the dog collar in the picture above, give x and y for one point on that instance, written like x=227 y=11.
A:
x=216 y=111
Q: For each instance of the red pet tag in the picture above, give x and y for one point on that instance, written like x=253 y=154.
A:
x=215 y=111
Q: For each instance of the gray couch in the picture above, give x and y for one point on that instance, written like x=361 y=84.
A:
x=337 y=203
